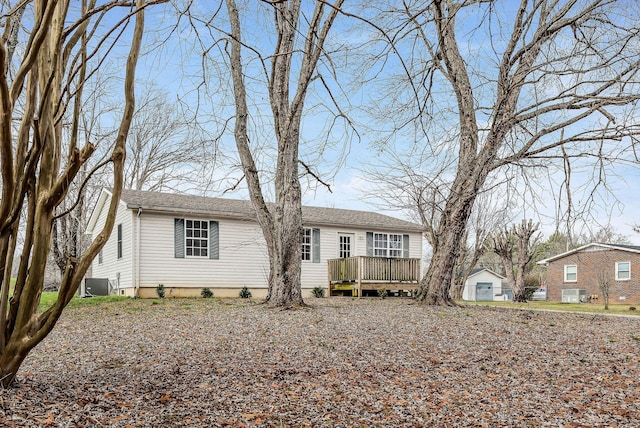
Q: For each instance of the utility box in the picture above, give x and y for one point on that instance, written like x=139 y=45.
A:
x=574 y=295
x=94 y=287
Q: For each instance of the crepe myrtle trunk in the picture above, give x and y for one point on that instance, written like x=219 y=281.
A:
x=37 y=177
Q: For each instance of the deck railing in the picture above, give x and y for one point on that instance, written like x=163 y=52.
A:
x=373 y=269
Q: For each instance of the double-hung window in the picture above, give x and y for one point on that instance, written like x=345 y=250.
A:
x=393 y=245
x=306 y=244
x=197 y=238
x=311 y=245
x=623 y=271
x=380 y=244
x=570 y=273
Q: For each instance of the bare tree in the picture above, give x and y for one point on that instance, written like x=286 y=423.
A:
x=504 y=246
x=282 y=223
x=517 y=248
x=162 y=152
x=552 y=81
x=604 y=235
x=409 y=183
x=62 y=49
x=604 y=284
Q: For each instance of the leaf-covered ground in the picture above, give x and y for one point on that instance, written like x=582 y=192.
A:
x=341 y=363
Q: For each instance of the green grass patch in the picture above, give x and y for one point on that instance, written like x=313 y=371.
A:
x=48 y=298
x=594 y=308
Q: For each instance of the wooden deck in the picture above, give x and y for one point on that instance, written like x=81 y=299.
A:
x=356 y=274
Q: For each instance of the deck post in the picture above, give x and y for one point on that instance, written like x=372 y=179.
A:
x=360 y=267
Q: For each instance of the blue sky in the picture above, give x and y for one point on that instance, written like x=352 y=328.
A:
x=176 y=68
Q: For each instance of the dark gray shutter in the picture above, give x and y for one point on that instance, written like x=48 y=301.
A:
x=214 y=240
x=315 y=240
x=370 y=244
x=405 y=246
x=119 y=241
x=178 y=235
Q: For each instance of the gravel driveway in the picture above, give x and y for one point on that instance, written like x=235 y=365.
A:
x=340 y=363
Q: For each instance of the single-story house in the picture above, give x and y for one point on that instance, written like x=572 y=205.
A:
x=581 y=274
x=484 y=285
x=188 y=243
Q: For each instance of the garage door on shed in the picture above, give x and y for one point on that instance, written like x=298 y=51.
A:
x=484 y=291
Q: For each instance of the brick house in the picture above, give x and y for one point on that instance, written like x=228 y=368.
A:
x=578 y=274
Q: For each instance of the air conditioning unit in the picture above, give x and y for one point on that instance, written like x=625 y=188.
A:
x=94 y=287
x=574 y=295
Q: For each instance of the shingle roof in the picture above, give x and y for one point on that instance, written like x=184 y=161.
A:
x=623 y=247
x=477 y=270
x=242 y=209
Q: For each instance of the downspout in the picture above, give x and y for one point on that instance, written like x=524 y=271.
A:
x=136 y=290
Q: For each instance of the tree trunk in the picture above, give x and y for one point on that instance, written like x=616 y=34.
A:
x=282 y=227
x=10 y=362
x=36 y=177
x=435 y=287
x=285 y=288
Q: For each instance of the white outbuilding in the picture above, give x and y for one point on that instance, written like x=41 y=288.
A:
x=484 y=285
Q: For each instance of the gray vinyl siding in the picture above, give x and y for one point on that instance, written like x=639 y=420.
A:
x=241 y=255
x=241 y=252
x=112 y=265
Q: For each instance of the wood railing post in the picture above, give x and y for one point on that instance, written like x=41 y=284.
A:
x=360 y=266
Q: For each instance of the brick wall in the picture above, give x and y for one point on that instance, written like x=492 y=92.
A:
x=592 y=265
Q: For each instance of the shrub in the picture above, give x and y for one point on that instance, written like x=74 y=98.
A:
x=206 y=293
x=160 y=291
x=318 y=292
x=245 y=293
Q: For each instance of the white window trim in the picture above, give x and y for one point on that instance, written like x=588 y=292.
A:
x=313 y=244
x=377 y=248
x=351 y=244
x=565 y=273
x=388 y=249
x=618 y=271
x=186 y=247
x=307 y=231
x=397 y=250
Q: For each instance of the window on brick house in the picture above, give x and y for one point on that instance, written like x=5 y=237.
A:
x=623 y=271
x=570 y=273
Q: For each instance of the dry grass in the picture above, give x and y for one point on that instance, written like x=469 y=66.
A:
x=342 y=363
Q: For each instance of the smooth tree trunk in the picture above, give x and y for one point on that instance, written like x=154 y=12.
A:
x=35 y=180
